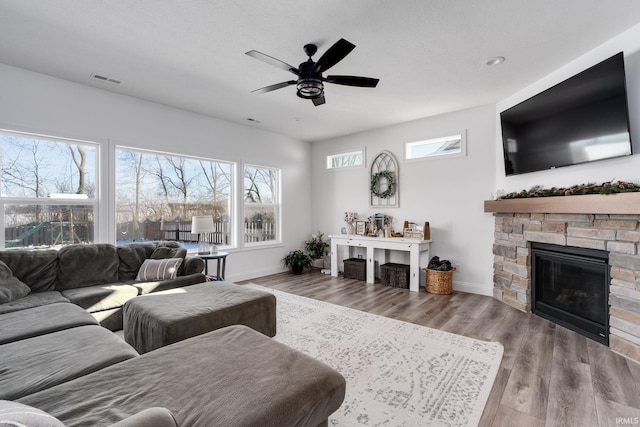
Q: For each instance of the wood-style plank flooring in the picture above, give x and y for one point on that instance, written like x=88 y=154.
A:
x=549 y=375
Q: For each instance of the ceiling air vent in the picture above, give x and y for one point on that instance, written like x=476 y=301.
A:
x=106 y=79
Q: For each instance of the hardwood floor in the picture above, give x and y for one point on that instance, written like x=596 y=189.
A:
x=549 y=375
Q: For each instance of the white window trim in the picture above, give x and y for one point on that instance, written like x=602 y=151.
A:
x=100 y=144
x=345 y=153
x=434 y=139
x=241 y=212
x=233 y=206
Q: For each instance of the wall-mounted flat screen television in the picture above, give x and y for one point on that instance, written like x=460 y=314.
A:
x=583 y=119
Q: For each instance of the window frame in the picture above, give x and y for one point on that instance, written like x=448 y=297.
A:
x=445 y=136
x=277 y=205
x=361 y=151
x=94 y=202
x=232 y=206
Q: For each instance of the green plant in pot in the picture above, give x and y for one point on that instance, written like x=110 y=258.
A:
x=316 y=247
x=297 y=261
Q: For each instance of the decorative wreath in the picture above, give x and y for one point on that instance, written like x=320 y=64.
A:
x=391 y=185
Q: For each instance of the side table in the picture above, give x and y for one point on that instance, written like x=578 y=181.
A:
x=221 y=257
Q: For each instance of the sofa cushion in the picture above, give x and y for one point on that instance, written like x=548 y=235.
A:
x=42 y=320
x=34 y=299
x=37 y=269
x=14 y=414
x=164 y=252
x=41 y=362
x=164 y=285
x=87 y=265
x=159 y=269
x=131 y=257
x=101 y=297
x=230 y=377
x=151 y=417
x=110 y=319
x=11 y=288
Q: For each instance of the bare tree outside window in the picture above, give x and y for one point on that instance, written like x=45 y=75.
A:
x=158 y=194
x=60 y=177
x=261 y=204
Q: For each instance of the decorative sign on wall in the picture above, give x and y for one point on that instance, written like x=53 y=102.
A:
x=384 y=187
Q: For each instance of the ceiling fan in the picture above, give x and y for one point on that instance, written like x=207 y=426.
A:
x=310 y=80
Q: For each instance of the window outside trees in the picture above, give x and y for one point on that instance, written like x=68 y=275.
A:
x=48 y=190
x=345 y=160
x=157 y=194
x=50 y=195
x=261 y=204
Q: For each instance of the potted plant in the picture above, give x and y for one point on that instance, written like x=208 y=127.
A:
x=317 y=248
x=297 y=261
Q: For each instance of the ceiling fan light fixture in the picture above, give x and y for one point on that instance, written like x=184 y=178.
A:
x=309 y=88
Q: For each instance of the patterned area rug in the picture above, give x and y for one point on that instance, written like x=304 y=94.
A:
x=398 y=373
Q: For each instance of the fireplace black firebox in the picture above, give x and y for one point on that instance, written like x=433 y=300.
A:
x=570 y=286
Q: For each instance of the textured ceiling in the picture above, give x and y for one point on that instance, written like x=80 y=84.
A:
x=190 y=54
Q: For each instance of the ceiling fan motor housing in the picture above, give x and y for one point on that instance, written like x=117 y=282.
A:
x=309 y=83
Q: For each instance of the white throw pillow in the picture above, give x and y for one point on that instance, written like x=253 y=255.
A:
x=159 y=269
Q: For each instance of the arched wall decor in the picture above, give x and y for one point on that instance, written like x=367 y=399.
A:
x=384 y=186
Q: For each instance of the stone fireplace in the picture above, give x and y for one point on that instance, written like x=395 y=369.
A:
x=608 y=223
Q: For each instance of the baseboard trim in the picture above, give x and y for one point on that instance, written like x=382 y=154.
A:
x=473 y=288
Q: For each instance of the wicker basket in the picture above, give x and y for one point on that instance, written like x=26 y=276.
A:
x=394 y=275
x=439 y=282
x=355 y=268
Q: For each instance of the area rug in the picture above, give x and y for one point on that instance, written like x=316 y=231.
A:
x=398 y=373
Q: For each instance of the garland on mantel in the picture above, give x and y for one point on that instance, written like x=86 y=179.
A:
x=612 y=187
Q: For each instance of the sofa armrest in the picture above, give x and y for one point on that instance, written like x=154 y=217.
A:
x=151 y=417
x=192 y=265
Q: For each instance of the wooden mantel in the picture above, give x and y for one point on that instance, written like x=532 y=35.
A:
x=621 y=203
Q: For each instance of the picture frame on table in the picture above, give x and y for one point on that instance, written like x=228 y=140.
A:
x=361 y=227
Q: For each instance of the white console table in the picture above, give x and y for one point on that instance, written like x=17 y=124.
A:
x=418 y=253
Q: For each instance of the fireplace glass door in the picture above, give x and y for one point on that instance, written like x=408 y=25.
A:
x=570 y=287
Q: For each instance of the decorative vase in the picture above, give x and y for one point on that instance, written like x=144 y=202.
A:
x=351 y=229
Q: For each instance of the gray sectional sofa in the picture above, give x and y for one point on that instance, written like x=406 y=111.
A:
x=59 y=366
x=99 y=277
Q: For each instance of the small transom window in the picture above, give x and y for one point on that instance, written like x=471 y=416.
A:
x=345 y=160
x=450 y=145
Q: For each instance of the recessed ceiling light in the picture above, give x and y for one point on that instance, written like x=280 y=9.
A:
x=496 y=60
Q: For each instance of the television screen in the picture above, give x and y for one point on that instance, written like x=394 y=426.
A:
x=583 y=119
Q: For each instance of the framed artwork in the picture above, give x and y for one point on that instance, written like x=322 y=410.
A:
x=361 y=227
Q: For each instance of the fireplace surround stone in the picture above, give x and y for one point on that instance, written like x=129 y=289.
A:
x=619 y=234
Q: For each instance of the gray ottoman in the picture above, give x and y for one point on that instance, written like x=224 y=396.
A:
x=163 y=318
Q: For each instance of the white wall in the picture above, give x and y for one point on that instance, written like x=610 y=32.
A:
x=627 y=168
x=447 y=192
x=42 y=104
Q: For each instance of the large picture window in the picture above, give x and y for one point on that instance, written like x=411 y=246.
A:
x=48 y=190
x=261 y=204
x=157 y=194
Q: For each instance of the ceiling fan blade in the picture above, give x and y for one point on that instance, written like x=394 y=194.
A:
x=318 y=101
x=333 y=55
x=272 y=61
x=353 y=81
x=274 y=87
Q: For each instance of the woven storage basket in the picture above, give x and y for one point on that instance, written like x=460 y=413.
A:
x=355 y=268
x=394 y=275
x=439 y=282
